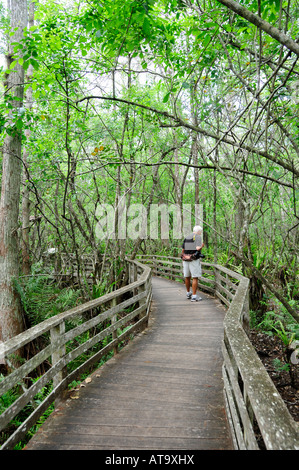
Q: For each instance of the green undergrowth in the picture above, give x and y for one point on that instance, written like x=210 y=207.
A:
x=42 y=299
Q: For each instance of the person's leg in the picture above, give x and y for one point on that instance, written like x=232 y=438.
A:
x=194 y=285
x=196 y=273
x=187 y=276
x=187 y=283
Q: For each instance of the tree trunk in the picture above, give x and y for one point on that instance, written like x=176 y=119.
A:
x=11 y=322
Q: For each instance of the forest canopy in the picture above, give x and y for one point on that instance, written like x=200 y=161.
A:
x=134 y=103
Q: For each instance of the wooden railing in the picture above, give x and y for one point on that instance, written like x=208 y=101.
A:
x=257 y=414
x=94 y=328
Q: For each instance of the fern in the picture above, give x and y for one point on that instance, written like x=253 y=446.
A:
x=41 y=300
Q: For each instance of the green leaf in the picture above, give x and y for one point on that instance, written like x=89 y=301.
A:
x=13 y=64
x=19 y=123
x=146 y=26
x=166 y=97
x=34 y=63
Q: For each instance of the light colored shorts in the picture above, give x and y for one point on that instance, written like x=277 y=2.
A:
x=192 y=268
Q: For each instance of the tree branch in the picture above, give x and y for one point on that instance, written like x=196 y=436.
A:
x=275 y=33
x=200 y=130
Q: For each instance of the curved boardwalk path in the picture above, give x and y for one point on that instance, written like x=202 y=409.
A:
x=163 y=391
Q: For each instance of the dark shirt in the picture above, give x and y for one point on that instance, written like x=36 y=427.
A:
x=190 y=243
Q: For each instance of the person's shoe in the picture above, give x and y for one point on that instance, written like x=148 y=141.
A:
x=195 y=298
x=189 y=295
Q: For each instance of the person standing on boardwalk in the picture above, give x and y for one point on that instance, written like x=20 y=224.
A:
x=191 y=251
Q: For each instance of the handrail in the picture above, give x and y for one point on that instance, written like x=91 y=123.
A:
x=258 y=416
x=101 y=320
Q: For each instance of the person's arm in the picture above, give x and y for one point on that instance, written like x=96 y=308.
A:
x=200 y=247
x=199 y=243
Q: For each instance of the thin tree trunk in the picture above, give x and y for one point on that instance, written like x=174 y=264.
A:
x=25 y=195
x=11 y=322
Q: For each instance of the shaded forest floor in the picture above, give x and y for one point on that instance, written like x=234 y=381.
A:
x=270 y=352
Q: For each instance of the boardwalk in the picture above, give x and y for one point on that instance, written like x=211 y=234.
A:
x=163 y=391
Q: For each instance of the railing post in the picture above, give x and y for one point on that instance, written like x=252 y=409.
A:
x=114 y=333
x=216 y=279
x=245 y=319
x=155 y=270
x=134 y=276
x=143 y=300
x=129 y=272
x=55 y=333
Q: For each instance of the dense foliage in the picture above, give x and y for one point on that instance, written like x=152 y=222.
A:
x=168 y=101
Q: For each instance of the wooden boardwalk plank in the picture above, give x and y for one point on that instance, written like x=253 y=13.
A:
x=163 y=391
